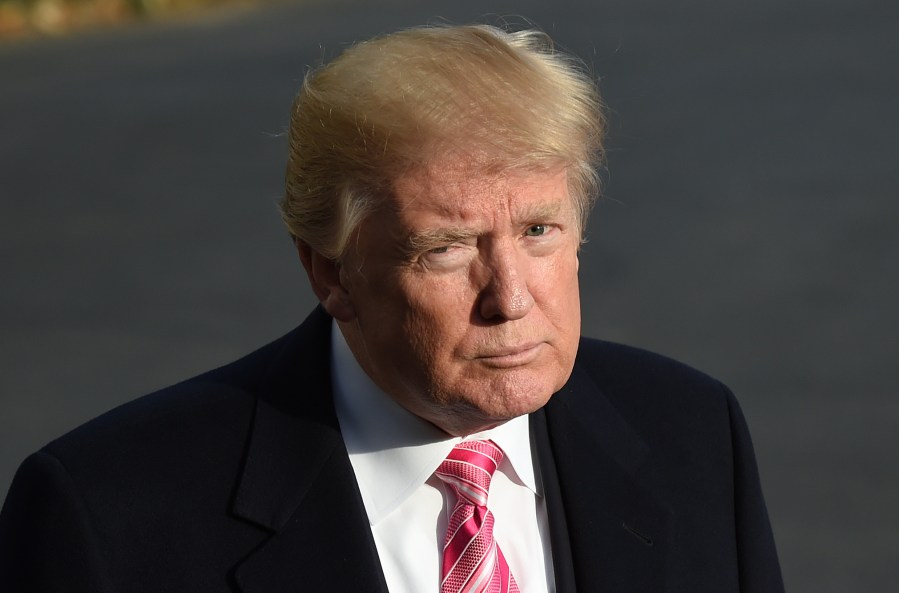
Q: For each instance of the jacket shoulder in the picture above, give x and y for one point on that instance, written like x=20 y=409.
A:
x=198 y=427
x=659 y=396
x=618 y=364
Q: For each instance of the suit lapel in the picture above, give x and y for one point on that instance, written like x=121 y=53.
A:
x=618 y=531
x=298 y=482
x=560 y=542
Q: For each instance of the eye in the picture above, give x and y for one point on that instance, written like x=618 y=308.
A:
x=536 y=230
x=443 y=249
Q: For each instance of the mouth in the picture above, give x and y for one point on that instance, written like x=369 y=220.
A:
x=512 y=356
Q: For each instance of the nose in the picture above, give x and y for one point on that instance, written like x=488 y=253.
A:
x=505 y=296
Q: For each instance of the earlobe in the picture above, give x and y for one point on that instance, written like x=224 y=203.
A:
x=327 y=282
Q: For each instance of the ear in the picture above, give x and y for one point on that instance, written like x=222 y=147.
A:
x=324 y=277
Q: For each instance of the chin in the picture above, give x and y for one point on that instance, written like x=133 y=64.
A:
x=487 y=397
x=517 y=395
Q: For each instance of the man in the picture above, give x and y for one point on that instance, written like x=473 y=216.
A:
x=437 y=424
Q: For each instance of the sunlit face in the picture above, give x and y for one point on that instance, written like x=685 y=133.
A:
x=459 y=296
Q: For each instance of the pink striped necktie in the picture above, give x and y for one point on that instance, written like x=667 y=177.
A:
x=472 y=562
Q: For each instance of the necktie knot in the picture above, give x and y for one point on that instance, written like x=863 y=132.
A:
x=469 y=468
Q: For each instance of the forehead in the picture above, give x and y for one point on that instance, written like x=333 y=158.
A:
x=462 y=193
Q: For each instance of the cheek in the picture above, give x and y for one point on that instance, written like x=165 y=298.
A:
x=438 y=318
x=438 y=314
x=556 y=282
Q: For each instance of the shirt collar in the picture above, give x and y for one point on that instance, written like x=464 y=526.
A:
x=394 y=452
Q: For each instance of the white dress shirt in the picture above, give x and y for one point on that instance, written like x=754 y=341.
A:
x=394 y=455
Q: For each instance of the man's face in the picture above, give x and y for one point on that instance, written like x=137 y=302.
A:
x=461 y=294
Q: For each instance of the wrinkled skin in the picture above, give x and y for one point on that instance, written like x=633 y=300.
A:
x=459 y=294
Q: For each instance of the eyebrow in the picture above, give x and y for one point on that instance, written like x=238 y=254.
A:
x=431 y=238
x=426 y=239
x=545 y=212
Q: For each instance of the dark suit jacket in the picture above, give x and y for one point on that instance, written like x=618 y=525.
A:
x=238 y=480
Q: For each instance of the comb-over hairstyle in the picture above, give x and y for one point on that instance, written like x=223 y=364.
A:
x=497 y=100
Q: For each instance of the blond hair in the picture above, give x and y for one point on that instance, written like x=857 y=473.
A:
x=396 y=103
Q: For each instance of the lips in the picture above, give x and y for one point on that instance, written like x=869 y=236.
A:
x=512 y=356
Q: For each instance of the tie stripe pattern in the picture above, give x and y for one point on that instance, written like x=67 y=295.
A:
x=472 y=562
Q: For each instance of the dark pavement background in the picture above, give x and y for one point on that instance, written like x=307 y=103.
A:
x=749 y=226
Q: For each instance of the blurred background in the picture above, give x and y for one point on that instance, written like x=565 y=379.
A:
x=748 y=228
